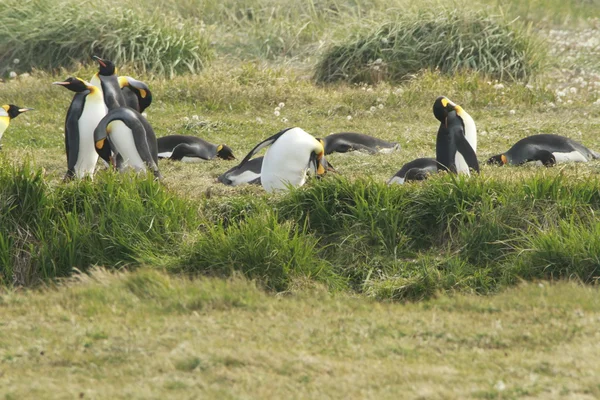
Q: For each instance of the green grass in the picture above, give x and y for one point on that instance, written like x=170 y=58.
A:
x=47 y=35
x=451 y=41
x=148 y=334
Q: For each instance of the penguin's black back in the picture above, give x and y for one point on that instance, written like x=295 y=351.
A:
x=348 y=141
x=113 y=96
x=526 y=148
x=72 y=130
x=428 y=164
x=168 y=143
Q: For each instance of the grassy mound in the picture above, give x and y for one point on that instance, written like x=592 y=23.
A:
x=403 y=242
x=449 y=41
x=46 y=35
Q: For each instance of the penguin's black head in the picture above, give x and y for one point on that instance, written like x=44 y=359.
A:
x=499 y=159
x=441 y=107
x=73 y=84
x=14 y=111
x=107 y=68
x=104 y=151
x=225 y=152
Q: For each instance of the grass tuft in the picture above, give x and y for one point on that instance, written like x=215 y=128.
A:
x=451 y=41
x=44 y=34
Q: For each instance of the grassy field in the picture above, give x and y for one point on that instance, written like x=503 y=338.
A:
x=451 y=288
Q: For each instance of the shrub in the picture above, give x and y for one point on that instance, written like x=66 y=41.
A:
x=47 y=34
x=450 y=41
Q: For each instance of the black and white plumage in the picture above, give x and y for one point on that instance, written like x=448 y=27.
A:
x=248 y=172
x=450 y=142
x=415 y=170
x=546 y=149
x=85 y=112
x=291 y=154
x=191 y=148
x=107 y=80
x=7 y=113
x=136 y=93
x=349 y=141
x=441 y=107
x=129 y=135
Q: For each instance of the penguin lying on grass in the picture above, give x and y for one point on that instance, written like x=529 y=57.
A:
x=415 y=170
x=291 y=154
x=249 y=172
x=128 y=134
x=545 y=149
x=191 y=148
x=85 y=112
x=7 y=113
x=348 y=141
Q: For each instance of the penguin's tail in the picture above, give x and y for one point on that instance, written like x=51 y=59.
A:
x=595 y=154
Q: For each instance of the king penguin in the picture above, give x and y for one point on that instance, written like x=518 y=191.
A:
x=136 y=93
x=191 y=148
x=349 y=141
x=8 y=112
x=450 y=142
x=441 y=106
x=415 y=170
x=249 y=173
x=292 y=153
x=107 y=80
x=129 y=135
x=545 y=148
x=85 y=112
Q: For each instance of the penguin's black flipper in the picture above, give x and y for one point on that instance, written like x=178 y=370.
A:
x=72 y=132
x=189 y=150
x=262 y=145
x=465 y=149
x=146 y=142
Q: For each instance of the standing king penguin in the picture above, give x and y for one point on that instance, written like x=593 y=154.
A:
x=136 y=93
x=292 y=153
x=451 y=141
x=107 y=80
x=441 y=107
x=85 y=112
x=8 y=112
x=129 y=135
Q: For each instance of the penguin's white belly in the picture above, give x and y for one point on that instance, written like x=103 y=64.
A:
x=4 y=121
x=573 y=156
x=273 y=181
x=87 y=155
x=388 y=150
x=281 y=168
x=121 y=138
x=192 y=159
x=242 y=178
x=461 y=165
x=396 y=180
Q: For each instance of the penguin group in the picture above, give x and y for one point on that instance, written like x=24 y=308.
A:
x=106 y=120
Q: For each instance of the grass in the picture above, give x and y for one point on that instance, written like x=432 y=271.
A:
x=451 y=41
x=449 y=288
x=145 y=334
x=48 y=35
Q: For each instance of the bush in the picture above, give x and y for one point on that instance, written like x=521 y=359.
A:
x=451 y=41
x=47 y=34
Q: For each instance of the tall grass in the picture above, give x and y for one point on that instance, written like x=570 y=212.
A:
x=46 y=34
x=451 y=41
x=403 y=242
